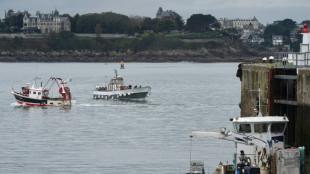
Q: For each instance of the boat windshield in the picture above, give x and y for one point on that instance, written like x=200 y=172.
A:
x=277 y=127
x=259 y=128
x=243 y=128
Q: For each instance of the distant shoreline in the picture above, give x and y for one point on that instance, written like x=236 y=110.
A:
x=143 y=56
x=129 y=59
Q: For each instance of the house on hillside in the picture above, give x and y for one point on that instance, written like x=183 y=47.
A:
x=277 y=40
x=245 y=37
x=257 y=39
x=46 y=23
x=11 y=13
x=166 y=14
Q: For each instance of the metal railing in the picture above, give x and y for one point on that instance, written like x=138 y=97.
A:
x=293 y=59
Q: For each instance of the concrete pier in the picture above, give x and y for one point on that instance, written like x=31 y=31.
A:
x=285 y=91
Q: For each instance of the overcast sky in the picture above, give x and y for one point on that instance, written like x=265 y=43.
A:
x=266 y=11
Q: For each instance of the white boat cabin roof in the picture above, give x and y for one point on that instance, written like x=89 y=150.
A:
x=264 y=119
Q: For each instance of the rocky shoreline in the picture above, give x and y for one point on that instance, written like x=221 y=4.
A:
x=202 y=55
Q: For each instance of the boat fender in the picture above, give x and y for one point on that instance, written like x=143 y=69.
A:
x=42 y=104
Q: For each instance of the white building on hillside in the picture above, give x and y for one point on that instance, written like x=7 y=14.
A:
x=277 y=40
x=239 y=23
x=46 y=23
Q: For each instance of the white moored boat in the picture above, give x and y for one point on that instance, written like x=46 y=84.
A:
x=117 y=90
x=262 y=140
x=40 y=96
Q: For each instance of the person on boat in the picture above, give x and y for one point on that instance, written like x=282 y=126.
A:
x=243 y=162
x=242 y=158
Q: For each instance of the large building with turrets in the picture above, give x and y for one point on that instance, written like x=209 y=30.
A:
x=239 y=23
x=46 y=23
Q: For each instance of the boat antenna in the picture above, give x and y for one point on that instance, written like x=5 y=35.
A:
x=190 y=152
x=35 y=81
x=115 y=73
x=259 y=114
x=259 y=105
x=36 y=70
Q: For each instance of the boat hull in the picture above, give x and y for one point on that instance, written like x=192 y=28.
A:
x=24 y=100
x=134 y=93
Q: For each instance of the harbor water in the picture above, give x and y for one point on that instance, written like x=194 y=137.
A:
x=97 y=136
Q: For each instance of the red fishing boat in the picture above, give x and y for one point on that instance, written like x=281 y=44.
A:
x=40 y=95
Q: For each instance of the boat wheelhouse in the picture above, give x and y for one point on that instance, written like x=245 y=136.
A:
x=263 y=132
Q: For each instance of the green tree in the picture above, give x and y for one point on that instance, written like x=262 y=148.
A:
x=165 y=25
x=110 y=23
x=288 y=24
x=273 y=29
x=179 y=22
x=98 y=30
x=136 y=23
x=1 y=26
x=13 y=23
x=116 y=23
x=200 y=22
x=148 y=23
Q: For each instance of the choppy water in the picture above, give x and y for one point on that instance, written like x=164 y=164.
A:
x=96 y=136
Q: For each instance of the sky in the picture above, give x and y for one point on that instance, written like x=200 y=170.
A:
x=266 y=11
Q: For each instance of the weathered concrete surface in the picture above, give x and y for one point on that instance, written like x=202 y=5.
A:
x=254 y=76
x=303 y=87
x=302 y=132
x=302 y=135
